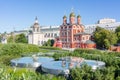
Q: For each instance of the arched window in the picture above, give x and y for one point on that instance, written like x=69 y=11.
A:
x=55 y=35
x=37 y=29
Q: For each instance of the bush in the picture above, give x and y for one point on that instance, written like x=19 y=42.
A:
x=5 y=59
x=25 y=74
x=18 y=49
x=47 y=47
x=89 y=51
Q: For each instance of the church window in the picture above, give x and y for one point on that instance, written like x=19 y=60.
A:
x=55 y=35
x=51 y=34
x=65 y=27
x=62 y=34
x=42 y=42
x=86 y=37
x=37 y=29
x=33 y=29
x=83 y=38
x=38 y=42
x=78 y=31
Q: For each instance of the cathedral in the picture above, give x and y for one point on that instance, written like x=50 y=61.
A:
x=72 y=34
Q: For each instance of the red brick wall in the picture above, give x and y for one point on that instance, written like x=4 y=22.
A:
x=115 y=48
x=90 y=45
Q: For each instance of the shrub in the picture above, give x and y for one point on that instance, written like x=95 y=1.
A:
x=18 y=49
x=52 y=48
x=5 y=59
x=25 y=74
x=89 y=51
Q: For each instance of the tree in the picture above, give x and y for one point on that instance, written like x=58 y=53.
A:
x=0 y=37
x=117 y=31
x=104 y=38
x=49 y=43
x=11 y=39
x=21 y=38
x=107 y=44
x=52 y=42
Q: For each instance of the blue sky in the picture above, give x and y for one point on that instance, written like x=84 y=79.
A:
x=20 y=14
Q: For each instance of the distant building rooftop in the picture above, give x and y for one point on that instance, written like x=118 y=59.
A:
x=106 y=20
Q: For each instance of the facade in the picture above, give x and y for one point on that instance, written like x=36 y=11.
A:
x=106 y=20
x=54 y=30
x=72 y=34
x=38 y=35
x=51 y=32
x=107 y=23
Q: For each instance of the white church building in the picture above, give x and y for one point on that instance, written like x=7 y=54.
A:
x=39 y=35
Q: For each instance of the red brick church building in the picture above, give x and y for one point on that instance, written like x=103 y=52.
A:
x=72 y=34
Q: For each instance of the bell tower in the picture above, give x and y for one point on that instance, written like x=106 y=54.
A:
x=36 y=27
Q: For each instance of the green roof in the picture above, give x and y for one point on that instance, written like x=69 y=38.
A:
x=72 y=14
x=78 y=16
x=89 y=42
x=64 y=16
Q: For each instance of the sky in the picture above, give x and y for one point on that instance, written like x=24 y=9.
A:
x=20 y=14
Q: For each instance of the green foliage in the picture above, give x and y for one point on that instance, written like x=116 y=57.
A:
x=89 y=51
x=49 y=43
x=1 y=45
x=5 y=59
x=111 y=59
x=117 y=31
x=86 y=73
x=24 y=74
x=107 y=44
x=48 y=47
x=104 y=38
x=18 y=49
x=21 y=38
x=14 y=50
x=11 y=39
x=0 y=38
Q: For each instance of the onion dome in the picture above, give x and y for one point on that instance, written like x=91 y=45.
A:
x=36 y=24
x=36 y=21
x=64 y=16
x=78 y=16
x=72 y=14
